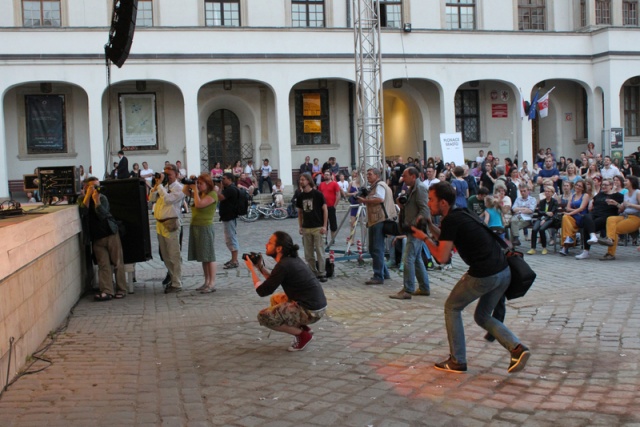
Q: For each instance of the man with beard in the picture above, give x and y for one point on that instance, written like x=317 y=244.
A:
x=487 y=279
x=303 y=301
x=312 y=219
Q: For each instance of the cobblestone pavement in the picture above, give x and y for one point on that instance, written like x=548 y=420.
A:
x=188 y=359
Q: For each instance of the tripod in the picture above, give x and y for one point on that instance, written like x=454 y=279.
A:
x=360 y=220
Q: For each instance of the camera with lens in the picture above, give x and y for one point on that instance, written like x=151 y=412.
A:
x=362 y=192
x=158 y=175
x=188 y=181
x=402 y=199
x=97 y=188
x=254 y=257
x=421 y=225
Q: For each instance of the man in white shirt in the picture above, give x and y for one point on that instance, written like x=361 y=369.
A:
x=480 y=158
x=147 y=174
x=431 y=178
x=523 y=209
x=248 y=169
x=182 y=172
x=609 y=170
x=169 y=198
x=265 y=176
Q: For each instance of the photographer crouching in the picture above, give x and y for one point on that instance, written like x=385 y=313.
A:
x=303 y=301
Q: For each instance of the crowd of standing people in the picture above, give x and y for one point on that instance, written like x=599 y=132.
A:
x=437 y=208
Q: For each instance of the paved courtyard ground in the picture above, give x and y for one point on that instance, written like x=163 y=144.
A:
x=189 y=359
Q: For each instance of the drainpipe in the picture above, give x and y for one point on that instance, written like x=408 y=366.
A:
x=352 y=126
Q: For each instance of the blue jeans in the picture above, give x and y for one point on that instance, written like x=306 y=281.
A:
x=414 y=267
x=262 y=180
x=468 y=289
x=376 y=250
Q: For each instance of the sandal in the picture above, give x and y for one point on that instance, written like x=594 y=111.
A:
x=201 y=288
x=120 y=295
x=208 y=290
x=102 y=297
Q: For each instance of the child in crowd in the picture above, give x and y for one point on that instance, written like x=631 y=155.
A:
x=277 y=192
x=492 y=215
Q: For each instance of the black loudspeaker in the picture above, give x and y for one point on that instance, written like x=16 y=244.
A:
x=123 y=24
x=128 y=203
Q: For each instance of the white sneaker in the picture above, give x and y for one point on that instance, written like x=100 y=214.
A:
x=593 y=240
x=568 y=241
x=583 y=255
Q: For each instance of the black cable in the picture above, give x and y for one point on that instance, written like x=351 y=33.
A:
x=6 y=385
x=38 y=354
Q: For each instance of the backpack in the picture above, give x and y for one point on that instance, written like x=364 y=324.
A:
x=242 y=207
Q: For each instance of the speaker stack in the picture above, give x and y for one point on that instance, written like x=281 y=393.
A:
x=128 y=203
x=123 y=24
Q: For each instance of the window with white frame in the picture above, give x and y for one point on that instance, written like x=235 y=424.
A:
x=41 y=13
x=603 y=12
x=390 y=13
x=461 y=14
x=222 y=13
x=631 y=110
x=307 y=13
x=630 y=12
x=144 y=18
x=531 y=15
x=468 y=115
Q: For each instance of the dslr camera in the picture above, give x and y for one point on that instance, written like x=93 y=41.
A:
x=188 y=181
x=362 y=192
x=158 y=175
x=402 y=199
x=254 y=257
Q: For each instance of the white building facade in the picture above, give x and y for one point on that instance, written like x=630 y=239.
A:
x=228 y=80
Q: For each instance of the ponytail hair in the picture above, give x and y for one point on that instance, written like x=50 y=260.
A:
x=284 y=240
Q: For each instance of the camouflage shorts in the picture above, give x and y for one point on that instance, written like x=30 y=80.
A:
x=285 y=312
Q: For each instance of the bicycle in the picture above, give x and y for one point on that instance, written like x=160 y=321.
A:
x=268 y=211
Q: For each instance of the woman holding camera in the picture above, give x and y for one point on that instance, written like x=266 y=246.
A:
x=201 y=235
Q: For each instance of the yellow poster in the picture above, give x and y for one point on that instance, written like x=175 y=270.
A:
x=312 y=126
x=310 y=104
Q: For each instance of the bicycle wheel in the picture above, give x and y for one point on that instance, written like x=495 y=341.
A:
x=251 y=216
x=279 y=213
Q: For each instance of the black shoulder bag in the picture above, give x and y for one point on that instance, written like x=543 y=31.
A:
x=522 y=276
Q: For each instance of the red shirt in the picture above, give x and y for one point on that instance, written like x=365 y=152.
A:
x=329 y=191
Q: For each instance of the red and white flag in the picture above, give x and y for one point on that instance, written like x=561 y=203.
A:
x=523 y=113
x=543 y=104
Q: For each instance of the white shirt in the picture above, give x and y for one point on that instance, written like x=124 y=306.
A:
x=344 y=185
x=149 y=178
x=610 y=172
x=429 y=182
x=266 y=170
x=248 y=170
x=168 y=203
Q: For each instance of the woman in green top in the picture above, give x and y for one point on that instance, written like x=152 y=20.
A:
x=201 y=234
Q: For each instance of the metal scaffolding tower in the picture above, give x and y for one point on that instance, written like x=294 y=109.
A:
x=368 y=61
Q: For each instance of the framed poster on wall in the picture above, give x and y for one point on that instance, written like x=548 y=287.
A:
x=46 y=126
x=138 y=128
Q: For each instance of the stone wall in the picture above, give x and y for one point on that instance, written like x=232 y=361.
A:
x=40 y=281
